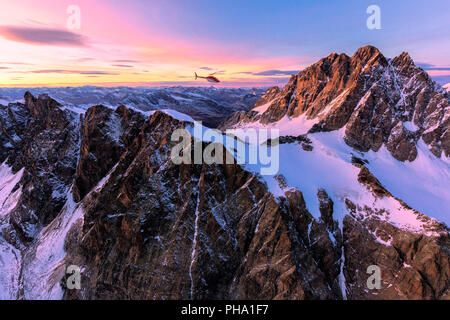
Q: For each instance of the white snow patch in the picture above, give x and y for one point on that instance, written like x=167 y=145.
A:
x=44 y=268
x=342 y=281
x=76 y=109
x=321 y=168
x=424 y=184
x=287 y=126
x=262 y=108
x=10 y=270
x=379 y=240
x=338 y=101
x=8 y=181
x=409 y=125
x=105 y=179
x=178 y=115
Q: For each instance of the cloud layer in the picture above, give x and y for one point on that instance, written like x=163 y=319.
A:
x=63 y=71
x=42 y=36
x=275 y=73
x=428 y=66
x=270 y=73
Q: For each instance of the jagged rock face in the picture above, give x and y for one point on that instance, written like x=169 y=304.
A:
x=105 y=136
x=401 y=143
x=314 y=88
x=414 y=266
x=411 y=264
x=408 y=96
x=369 y=95
x=158 y=230
x=268 y=96
x=248 y=116
x=42 y=139
x=237 y=117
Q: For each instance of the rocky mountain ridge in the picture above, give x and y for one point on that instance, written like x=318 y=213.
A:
x=377 y=100
x=99 y=190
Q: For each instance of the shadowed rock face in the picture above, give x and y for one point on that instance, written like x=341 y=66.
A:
x=378 y=100
x=44 y=140
x=105 y=136
x=157 y=230
x=150 y=229
x=161 y=231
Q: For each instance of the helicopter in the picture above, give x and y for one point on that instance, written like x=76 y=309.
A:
x=209 y=78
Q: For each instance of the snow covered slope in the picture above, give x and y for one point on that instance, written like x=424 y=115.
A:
x=10 y=256
x=422 y=184
x=385 y=111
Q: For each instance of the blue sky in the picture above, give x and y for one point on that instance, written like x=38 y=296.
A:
x=167 y=39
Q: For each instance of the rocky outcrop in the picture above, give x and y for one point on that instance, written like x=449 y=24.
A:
x=402 y=143
x=43 y=139
x=245 y=116
x=268 y=96
x=105 y=136
x=413 y=265
x=237 y=117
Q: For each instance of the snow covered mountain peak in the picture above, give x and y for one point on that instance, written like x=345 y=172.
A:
x=378 y=101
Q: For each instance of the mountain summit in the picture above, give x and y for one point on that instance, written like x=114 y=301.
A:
x=375 y=100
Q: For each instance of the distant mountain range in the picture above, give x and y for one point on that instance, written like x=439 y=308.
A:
x=208 y=104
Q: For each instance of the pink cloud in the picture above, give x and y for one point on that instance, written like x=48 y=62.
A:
x=42 y=36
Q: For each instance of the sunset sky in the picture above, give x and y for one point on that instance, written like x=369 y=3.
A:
x=246 y=42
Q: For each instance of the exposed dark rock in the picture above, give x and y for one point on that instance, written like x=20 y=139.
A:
x=412 y=266
x=43 y=139
x=358 y=162
x=401 y=143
